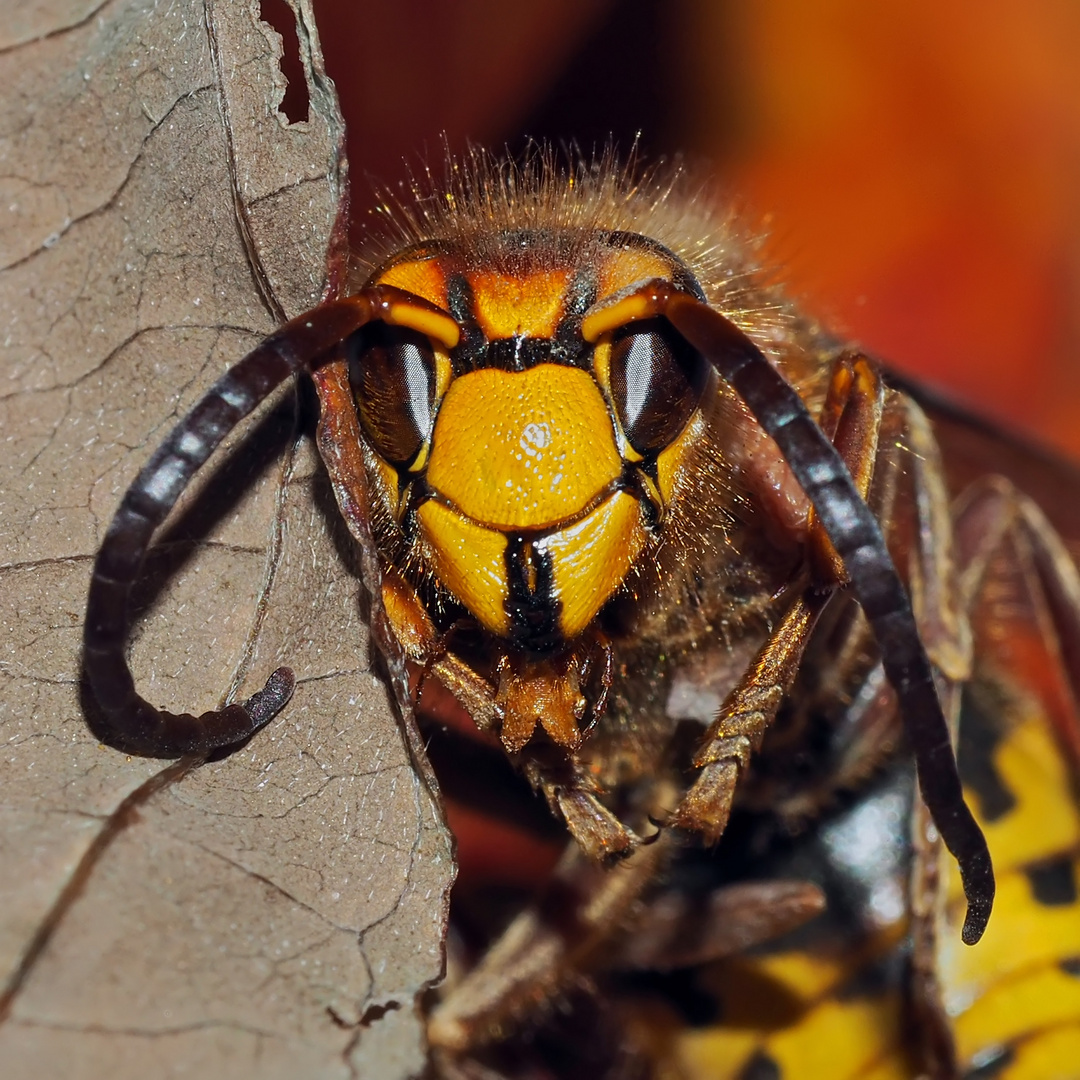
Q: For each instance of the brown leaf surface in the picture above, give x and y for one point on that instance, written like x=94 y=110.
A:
x=274 y=913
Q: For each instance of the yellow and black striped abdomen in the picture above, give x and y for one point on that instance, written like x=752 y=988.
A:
x=1013 y=1001
x=827 y=1002
x=837 y=1003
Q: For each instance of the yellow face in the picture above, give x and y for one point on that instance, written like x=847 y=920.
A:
x=529 y=466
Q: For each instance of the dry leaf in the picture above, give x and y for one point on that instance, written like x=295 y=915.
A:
x=274 y=913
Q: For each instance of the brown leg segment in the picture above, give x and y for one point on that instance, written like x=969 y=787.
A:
x=745 y=717
x=852 y=415
x=554 y=941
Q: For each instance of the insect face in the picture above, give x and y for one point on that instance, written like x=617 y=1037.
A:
x=525 y=471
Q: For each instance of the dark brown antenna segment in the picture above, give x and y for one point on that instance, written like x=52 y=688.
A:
x=857 y=537
x=132 y=723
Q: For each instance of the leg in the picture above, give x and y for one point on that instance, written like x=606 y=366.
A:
x=852 y=417
x=725 y=751
x=590 y=919
x=548 y=945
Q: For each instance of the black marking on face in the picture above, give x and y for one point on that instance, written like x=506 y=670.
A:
x=531 y=605
x=519 y=353
x=632 y=481
x=567 y=343
x=1053 y=884
x=413 y=492
x=468 y=354
x=459 y=298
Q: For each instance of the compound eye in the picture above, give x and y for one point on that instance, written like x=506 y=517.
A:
x=656 y=381
x=392 y=373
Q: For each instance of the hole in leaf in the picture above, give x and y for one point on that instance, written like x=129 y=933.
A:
x=295 y=104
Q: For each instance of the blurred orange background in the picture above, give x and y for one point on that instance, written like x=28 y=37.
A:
x=917 y=164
